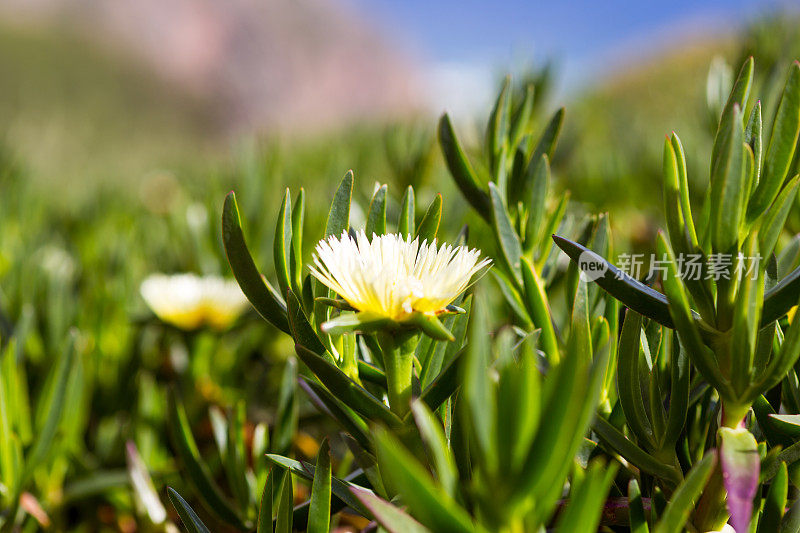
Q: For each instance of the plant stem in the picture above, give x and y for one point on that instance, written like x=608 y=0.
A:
x=398 y=359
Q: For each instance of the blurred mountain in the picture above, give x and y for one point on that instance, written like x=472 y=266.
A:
x=261 y=64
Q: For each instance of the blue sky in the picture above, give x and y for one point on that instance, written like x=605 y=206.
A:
x=470 y=38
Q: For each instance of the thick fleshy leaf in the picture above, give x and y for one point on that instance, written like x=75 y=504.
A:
x=339 y=214
x=686 y=326
x=392 y=518
x=364 y=321
x=339 y=487
x=572 y=396
x=779 y=365
x=683 y=184
x=429 y=225
x=506 y=235
x=427 y=502
x=330 y=405
x=537 y=205
x=406 y=223
x=737 y=98
x=497 y=130
x=636 y=508
x=680 y=371
x=296 y=260
x=628 y=379
x=521 y=121
x=445 y=384
x=434 y=438
x=350 y=392
x=478 y=395
x=728 y=187
x=683 y=499
x=461 y=170
x=376 y=217
x=285 y=518
x=740 y=469
x=189 y=518
x=272 y=487
x=753 y=136
x=672 y=199
x=301 y=330
x=547 y=142
x=775 y=218
x=633 y=293
x=780 y=298
x=282 y=246
x=586 y=499
x=746 y=318
x=319 y=513
x=538 y=307
x=286 y=413
x=775 y=502
x=263 y=297
x=781 y=147
x=615 y=440
x=544 y=147
x=196 y=469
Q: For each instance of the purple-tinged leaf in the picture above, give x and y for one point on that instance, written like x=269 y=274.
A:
x=740 y=469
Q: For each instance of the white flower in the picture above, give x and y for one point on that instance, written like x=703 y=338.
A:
x=189 y=301
x=392 y=276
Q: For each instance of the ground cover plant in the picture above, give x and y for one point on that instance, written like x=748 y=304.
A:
x=462 y=348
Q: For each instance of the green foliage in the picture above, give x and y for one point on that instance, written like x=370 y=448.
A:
x=541 y=399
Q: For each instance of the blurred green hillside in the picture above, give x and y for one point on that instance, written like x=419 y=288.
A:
x=77 y=116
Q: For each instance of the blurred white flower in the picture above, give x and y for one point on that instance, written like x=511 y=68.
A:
x=57 y=263
x=188 y=301
x=393 y=276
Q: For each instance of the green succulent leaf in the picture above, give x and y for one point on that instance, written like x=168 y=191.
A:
x=461 y=170
x=257 y=289
x=628 y=384
x=776 y=216
x=586 y=500
x=781 y=147
x=737 y=98
x=350 y=392
x=195 y=468
x=780 y=298
x=775 y=502
x=683 y=499
x=633 y=293
x=339 y=487
x=392 y=518
x=282 y=246
x=434 y=438
x=189 y=518
x=406 y=224
x=428 y=502
x=538 y=308
x=319 y=514
x=728 y=186
x=364 y=321
x=429 y=225
x=272 y=487
x=615 y=440
x=329 y=404
x=376 y=217
x=636 y=508
x=285 y=518
x=339 y=214
x=505 y=233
